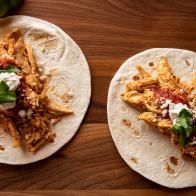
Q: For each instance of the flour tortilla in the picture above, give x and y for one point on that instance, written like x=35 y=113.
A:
x=54 y=50
x=143 y=148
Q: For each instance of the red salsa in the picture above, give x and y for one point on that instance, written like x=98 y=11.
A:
x=5 y=61
x=167 y=93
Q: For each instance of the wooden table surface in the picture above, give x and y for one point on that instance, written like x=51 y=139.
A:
x=108 y=32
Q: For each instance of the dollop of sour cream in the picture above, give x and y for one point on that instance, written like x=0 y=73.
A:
x=174 y=110
x=11 y=79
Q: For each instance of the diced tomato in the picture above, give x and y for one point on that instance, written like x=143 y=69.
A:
x=167 y=93
x=5 y=61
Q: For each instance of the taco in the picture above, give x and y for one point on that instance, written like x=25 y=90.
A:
x=153 y=96
x=44 y=89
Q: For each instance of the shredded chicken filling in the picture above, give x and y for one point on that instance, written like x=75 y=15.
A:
x=148 y=93
x=30 y=122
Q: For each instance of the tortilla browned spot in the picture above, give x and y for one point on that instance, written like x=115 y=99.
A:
x=136 y=77
x=67 y=96
x=136 y=132
x=187 y=62
x=173 y=160
x=126 y=123
x=151 y=64
x=47 y=45
x=169 y=169
x=2 y=148
x=134 y=160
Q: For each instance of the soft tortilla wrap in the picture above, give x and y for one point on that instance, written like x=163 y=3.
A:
x=57 y=54
x=144 y=149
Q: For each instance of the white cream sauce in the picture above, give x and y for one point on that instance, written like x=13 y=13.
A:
x=11 y=79
x=174 y=110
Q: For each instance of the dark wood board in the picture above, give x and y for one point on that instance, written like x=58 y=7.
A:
x=108 y=32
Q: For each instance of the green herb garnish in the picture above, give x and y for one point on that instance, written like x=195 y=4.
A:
x=6 y=5
x=9 y=69
x=5 y=94
x=182 y=127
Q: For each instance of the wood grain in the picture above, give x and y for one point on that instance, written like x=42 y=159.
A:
x=136 y=192
x=108 y=32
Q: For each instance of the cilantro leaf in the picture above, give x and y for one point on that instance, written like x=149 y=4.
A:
x=9 y=69
x=182 y=122
x=183 y=127
x=182 y=139
x=179 y=130
x=188 y=131
x=5 y=94
x=185 y=114
x=176 y=128
x=194 y=127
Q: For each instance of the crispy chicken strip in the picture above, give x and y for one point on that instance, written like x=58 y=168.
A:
x=13 y=34
x=44 y=91
x=149 y=117
x=8 y=42
x=21 y=56
x=134 y=98
x=165 y=123
x=11 y=43
x=143 y=72
x=165 y=73
x=141 y=84
x=56 y=108
x=142 y=101
x=9 y=126
x=3 y=50
x=152 y=108
x=39 y=144
x=164 y=126
x=189 y=151
x=33 y=81
x=14 y=133
x=34 y=67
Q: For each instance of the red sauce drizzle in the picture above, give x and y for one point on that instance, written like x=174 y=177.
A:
x=4 y=62
x=167 y=93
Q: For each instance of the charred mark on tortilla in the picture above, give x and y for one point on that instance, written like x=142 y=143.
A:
x=136 y=132
x=169 y=169
x=127 y=123
x=151 y=64
x=136 y=77
x=173 y=160
x=134 y=160
x=35 y=36
x=187 y=63
x=2 y=148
